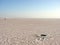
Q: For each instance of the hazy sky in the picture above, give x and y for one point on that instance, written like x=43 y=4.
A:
x=30 y=8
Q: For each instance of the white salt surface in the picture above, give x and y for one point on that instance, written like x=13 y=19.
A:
x=22 y=31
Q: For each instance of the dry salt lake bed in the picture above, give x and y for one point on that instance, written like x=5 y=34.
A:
x=27 y=31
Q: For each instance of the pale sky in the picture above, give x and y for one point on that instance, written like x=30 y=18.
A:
x=30 y=8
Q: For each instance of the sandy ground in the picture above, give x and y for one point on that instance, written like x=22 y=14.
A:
x=22 y=31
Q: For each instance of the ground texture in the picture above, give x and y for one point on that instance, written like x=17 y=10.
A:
x=22 y=31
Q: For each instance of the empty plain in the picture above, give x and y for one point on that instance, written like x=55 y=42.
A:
x=23 y=31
